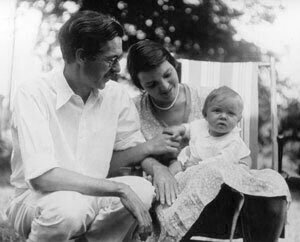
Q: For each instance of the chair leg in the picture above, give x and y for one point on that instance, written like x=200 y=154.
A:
x=236 y=214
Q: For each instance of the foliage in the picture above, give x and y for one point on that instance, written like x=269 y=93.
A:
x=191 y=29
x=290 y=129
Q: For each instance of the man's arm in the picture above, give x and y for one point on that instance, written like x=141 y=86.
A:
x=60 y=179
x=41 y=169
x=164 y=182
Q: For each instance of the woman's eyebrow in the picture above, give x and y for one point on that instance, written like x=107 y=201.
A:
x=169 y=69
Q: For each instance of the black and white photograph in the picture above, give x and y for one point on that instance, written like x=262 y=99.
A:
x=149 y=120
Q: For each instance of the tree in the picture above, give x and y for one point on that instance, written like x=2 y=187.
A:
x=191 y=29
x=198 y=29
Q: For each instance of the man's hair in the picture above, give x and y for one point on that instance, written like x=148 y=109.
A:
x=144 y=56
x=87 y=30
x=221 y=93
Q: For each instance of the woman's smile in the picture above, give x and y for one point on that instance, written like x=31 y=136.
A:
x=168 y=93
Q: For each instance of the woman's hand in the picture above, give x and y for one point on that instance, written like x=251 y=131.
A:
x=165 y=184
x=163 y=144
x=176 y=131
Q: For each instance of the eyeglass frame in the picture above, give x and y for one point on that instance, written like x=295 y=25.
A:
x=113 y=61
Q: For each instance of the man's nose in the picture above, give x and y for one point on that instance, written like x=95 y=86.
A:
x=116 y=67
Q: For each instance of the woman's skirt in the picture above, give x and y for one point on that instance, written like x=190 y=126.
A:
x=199 y=185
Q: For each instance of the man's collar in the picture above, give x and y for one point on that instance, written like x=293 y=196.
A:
x=63 y=90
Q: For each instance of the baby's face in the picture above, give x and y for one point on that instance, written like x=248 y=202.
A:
x=223 y=115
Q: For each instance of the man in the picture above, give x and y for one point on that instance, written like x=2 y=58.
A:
x=65 y=129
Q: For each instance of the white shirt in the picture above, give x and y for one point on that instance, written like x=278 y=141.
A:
x=52 y=127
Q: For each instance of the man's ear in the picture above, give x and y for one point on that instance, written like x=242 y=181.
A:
x=80 y=56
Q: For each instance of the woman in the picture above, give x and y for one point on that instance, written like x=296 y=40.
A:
x=165 y=102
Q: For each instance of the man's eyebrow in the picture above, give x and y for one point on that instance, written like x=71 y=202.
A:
x=115 y=56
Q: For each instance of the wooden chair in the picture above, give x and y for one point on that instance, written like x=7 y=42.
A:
x=292 y=181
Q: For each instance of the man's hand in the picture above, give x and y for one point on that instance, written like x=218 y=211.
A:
x=136 y=207
x=165 y=184
x=163 y=144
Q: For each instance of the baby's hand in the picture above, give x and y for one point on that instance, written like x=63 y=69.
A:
x=190 y=163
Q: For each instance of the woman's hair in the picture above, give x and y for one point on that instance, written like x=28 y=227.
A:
x=144 y=56
x=88 y=30
x=221 y=93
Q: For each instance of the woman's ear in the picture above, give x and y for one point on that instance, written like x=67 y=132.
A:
x=80 y=56
x=239 y=117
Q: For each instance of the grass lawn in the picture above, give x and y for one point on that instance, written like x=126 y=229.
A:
x=7 y=234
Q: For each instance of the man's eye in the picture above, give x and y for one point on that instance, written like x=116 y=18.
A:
x=110 y=62
x=166 y=75
x=113 y=60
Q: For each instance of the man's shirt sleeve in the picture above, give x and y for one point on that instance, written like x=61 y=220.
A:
x=128 y=130
x=31 y=123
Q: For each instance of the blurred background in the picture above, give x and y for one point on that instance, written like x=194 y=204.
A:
x=214 y=30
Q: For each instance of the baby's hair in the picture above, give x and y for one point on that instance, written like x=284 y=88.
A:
x=220 y=93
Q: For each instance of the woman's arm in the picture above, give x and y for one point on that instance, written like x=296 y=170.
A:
x=164 y=182
x=160 y=144
x=175 y=167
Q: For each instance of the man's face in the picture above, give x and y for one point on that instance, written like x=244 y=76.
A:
x=95 y=73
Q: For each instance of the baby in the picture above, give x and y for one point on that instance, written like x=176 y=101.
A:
x=216 y=137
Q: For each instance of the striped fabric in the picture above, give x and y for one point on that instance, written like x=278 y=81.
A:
x=241 y=77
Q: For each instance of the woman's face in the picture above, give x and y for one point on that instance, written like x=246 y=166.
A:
x=160 y=83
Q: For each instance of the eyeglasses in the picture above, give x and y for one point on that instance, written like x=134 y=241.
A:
x=113 y=61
